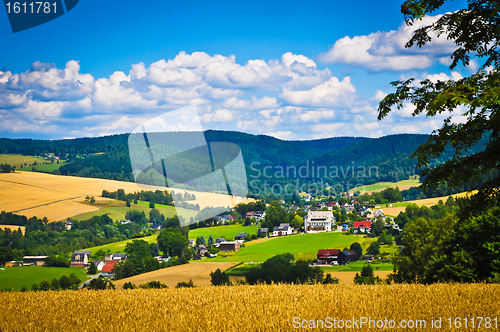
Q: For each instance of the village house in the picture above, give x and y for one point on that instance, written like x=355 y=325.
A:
x=282 y=229
x=80 y=258
x=68 y=224
x=264 y=231
x=362 y=226
x=347 y=256
x=319 y=221
x=118 y=257
x=229 y=246
x=107 y=269
x=34 y=260
x=241 y=236
x=328 y=256
x=98 y=264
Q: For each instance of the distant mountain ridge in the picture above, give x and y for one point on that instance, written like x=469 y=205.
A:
x=108 y=157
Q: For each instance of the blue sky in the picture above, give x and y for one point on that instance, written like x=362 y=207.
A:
x=294 y=70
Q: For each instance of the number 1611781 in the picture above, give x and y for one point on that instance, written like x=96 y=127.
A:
x=33 y=7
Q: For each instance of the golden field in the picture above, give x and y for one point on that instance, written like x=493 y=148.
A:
x=14 y=228
x=198 y=272
x=57 y=197
x=250 y=308
x=394 y=211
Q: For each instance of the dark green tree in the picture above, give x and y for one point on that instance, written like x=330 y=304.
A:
x=367 y=271
x=373 y=249
x=172 y=242
x=92 y=268
x=44 y=285
x=474 y=31
x=54 y=284
x=219 y=278
x=65 y=282
x=184 y=284
x=356 y=247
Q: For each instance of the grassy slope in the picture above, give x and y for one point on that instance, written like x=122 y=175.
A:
x=45 y=168
x=303 y=246
x=227 y=232
x=116 y=210
x=17 y=277
x=19 y=160
x=404 y=184
x=118 y=247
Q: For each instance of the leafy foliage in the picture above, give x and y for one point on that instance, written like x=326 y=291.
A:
x=475 y=33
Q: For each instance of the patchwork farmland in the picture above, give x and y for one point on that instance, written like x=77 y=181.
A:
x=58 y=197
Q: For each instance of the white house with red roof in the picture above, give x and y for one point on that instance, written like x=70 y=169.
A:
x=362 y=226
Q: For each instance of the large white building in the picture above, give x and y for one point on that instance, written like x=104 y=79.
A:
x=319 y=221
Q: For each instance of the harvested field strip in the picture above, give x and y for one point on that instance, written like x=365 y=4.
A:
x=198 y=272
x=251 y=308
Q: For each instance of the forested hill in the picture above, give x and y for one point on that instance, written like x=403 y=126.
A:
x=108 y=157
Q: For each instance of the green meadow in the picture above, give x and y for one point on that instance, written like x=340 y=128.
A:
x=227 y=232
x=118 y=247
x=384 y=185
x=116 y=210
x=303 y=246
x=17 y=277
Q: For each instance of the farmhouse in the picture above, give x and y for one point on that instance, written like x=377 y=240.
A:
x=107 y=269
x=347 y=256
x=34 y=260
x=229 y=246
x=328 y=256
x=319 y=221
x=282 y=229
x=80 y=258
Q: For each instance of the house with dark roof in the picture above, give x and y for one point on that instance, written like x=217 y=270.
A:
x=264 y=231
x=347 y=256
x=80 y=258
x=282 y=229
x=241 y=236
x=328 y=256
x=98 y=264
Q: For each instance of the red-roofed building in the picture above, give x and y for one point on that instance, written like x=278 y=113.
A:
x=107 y=269
x=328 y=256
x=362 y=226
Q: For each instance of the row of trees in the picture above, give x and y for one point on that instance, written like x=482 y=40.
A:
x=65 y=282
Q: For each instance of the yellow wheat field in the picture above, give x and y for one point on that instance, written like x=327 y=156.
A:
x=57 y=197
x=252 y=308
x=13 y=228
